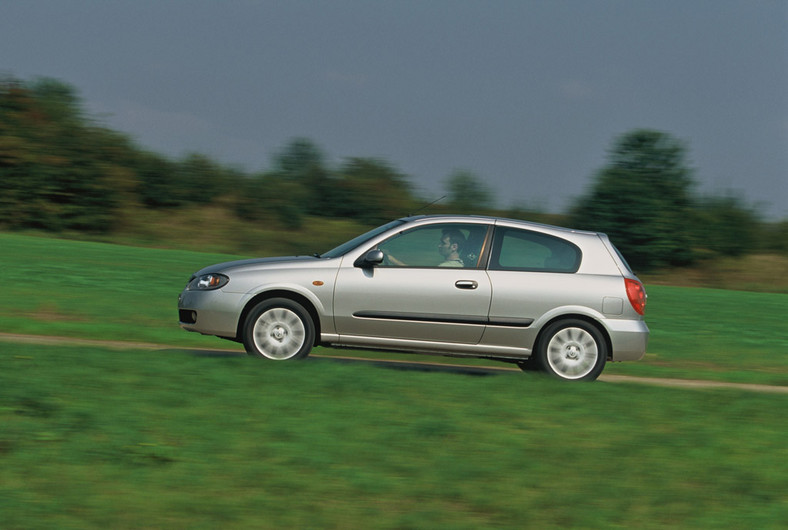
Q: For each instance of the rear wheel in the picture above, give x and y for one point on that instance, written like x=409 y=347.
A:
x=279 y=329
x=572 y=350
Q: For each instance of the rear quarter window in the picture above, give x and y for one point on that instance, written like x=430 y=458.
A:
x=623 y=259
x=523 y=250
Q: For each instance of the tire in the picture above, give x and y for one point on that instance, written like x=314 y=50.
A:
x=279 y=329
x=572 y=350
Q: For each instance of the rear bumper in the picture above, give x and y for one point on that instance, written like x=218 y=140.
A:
x=628 y=339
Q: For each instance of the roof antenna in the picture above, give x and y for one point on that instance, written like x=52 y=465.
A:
x=426 y=206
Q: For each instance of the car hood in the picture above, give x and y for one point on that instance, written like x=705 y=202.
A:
x=255 y=263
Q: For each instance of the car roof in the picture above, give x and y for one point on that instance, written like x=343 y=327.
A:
x=496 y=220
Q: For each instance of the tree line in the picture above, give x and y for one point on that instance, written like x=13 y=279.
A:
x=61 y=170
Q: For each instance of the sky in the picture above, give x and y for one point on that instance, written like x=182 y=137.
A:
x=527 y=95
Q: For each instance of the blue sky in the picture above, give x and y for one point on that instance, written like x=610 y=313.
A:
x=528 y=95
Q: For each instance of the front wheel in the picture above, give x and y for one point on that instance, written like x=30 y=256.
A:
x=572 y=350
x=279 y=329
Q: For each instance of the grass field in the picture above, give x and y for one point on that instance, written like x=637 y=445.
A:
x=112 y=292
x=94 y=438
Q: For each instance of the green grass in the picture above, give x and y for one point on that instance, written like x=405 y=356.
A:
x=111 y=292
x=95 y=290
x=93 y=438
x=714 y=334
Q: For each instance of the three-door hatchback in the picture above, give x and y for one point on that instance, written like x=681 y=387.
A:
x=543 y=297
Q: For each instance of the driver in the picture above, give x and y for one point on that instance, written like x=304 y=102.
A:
x=450 y=246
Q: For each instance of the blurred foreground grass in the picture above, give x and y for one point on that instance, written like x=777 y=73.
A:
x=96 y=438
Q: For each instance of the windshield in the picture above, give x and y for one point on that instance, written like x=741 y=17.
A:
x=344 y=248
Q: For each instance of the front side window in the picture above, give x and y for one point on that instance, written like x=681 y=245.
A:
x=523 y=250
x=453 y=245
x=359 y=240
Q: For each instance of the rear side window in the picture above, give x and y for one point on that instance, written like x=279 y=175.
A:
x=523 y=250
x=623 y=259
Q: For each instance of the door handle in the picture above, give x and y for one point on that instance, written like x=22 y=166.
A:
x=466 y=284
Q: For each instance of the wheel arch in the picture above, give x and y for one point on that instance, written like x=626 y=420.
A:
x=577 y=316
x=280 y=293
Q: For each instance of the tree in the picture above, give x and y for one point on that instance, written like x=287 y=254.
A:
x=774 y=237
x=158 y=187
x=642 y=200
x=297 y=159
x=58 y=100
x=725 y=225
x=366 y=189
x=372 y=191
x=267 y=197
x=300 y=176
x=53 y=175
x=467 y=193
x=201 y=180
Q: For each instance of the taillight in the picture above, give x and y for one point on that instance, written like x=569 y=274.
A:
x=637 y=295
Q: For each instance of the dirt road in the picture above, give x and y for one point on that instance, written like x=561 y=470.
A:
x=408 y=365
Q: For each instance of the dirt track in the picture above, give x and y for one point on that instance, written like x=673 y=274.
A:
x=680 y=383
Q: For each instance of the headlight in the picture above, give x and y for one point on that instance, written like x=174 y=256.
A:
x=208 y=282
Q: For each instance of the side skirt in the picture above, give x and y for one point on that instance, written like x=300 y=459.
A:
x=418 y=346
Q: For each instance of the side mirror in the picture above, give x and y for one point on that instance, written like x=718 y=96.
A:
x=370 y=259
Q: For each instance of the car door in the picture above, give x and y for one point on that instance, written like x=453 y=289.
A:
x=421 y=291
x=531 y=273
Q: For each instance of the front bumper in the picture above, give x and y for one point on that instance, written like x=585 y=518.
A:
x=210 y=312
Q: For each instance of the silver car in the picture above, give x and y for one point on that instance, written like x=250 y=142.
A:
x=543 y=297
